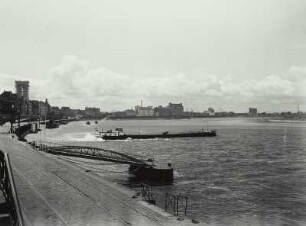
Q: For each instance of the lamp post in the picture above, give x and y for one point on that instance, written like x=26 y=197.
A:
x=18 y=114
x=12 y=117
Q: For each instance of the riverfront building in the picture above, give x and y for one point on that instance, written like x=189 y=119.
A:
x=8 y=102
x=252 y=111
x=39 y=108
x=163 y=112
x=92 y=112
x=177 y=110
x=22 y=89
x=172 y=110
x=18 y=104
x=144 y=111
x=11 y=104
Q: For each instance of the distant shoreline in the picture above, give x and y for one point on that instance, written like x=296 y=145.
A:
x=283 y=119
x=264 y=118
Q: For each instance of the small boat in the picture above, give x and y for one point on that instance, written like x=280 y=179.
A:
x=64 y=122
x=88 y=123
x=96 y=122
x=51 y=124
x=118 y=134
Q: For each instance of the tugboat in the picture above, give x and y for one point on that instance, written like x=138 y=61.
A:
x=118 y=134
x=88 y=123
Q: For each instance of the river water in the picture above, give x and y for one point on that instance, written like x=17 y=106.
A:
x=252 y=173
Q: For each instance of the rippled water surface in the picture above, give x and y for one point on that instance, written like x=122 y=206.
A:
x=252 y=173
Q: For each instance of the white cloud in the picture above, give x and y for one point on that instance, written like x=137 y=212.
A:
x=77 y=83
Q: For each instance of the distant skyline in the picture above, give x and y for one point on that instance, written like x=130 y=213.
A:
x=112 y=54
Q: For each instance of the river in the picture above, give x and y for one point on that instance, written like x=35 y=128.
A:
x=252 y=173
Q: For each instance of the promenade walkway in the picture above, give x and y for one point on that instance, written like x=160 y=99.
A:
x=54 y=192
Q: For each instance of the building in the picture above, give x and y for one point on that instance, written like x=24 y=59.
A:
x=9 y=111
x=91 y=112
x=162 y=112
x=144 y=111
x=66 y=112
x=8 y=103
x=39 y=108
x=252 y=111
x=172 y=110
x=29 y=108
x=19 y=105
x=55 y=112
x=11 y=104
x=22 y=89
x=177 y=110
x=224 y=114
x=287 y=114
x=130 y=113
x=76 y=113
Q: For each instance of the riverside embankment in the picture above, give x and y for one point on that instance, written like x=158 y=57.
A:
x=54 y=192
x=252 y=173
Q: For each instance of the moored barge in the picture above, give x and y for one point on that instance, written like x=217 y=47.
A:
x=118 y=134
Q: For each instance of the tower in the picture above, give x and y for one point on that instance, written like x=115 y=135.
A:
x=22 y=89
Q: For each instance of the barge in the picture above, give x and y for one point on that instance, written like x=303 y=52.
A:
x=118 y=134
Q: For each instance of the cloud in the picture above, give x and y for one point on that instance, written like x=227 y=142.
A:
x=77 y=83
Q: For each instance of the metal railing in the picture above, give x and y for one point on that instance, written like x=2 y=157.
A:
x=89 y=152
x=174 y=204
x=7 y=186
x=177 y=204
x=147 y=193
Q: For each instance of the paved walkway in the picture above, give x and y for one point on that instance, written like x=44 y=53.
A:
x=54 y=192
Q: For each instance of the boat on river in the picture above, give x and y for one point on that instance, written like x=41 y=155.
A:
x=118 y=134
x=51 y=124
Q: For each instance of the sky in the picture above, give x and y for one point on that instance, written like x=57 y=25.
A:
x=229 y=55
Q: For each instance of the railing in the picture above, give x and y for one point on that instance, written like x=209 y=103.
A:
x=147 y=193
x=7 y=186
x=89 y=152
x=174 y=204
x=177 y=204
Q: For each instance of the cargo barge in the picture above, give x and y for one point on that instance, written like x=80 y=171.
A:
x=118 y=134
